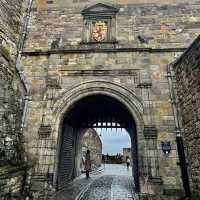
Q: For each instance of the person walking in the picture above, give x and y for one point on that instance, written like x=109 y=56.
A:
x=87 y=164
x=104 y=160
x=128 y=162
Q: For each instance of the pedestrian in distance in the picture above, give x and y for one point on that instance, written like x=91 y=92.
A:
x=87 y=164
x=104 y=160
x=128 y=162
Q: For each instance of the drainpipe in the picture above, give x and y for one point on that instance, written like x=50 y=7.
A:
x=26 y=86
x=178 y=130
x=18 y=60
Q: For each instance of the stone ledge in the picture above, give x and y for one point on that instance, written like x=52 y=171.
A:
x=155 y=180
x=100 y=50
x=97 y=43
x=107 y=72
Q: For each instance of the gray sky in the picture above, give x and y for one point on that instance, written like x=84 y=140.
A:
x=114 y=141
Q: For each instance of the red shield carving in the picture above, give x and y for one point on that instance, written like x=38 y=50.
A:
x=99 y=31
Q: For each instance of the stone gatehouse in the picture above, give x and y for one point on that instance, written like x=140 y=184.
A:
x=110 y=57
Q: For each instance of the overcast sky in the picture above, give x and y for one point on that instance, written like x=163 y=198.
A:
x=114 y=141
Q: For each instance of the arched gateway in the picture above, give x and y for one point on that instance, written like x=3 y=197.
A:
x=84 y=107
x=102 y=63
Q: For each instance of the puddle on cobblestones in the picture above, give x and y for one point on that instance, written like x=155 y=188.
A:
x=114 y=169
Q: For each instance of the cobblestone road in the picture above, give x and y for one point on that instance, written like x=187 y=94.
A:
x=109 y=187
x=113 y=183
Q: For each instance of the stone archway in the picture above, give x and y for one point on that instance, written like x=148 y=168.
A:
x=124 y=97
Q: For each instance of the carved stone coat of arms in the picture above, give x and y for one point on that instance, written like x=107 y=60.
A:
x=100 y=31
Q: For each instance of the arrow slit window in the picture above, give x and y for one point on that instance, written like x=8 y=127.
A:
x=99 y=24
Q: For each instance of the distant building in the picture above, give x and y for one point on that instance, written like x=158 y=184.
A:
x=92 y=141
x=127 y=152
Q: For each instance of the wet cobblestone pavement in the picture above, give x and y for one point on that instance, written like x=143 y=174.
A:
x=109 y=187
x=113 y=183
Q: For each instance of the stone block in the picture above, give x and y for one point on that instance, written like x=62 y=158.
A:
x=44 y=131
x=150 y=132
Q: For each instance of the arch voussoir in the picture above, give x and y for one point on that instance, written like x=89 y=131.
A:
x=124 y=95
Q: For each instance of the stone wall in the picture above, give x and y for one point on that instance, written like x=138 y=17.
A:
x=91 y=141
x=163 y=25
x=187 y=73
x=56 y=61
x=127 y=153
x=12 y=179
x=11 y=101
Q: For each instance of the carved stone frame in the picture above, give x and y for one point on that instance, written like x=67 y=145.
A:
x=99 y=12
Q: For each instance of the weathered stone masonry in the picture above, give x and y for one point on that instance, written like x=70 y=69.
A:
x=12 y=90
x=148 y=36
x=92 y=141
x=187 y=73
